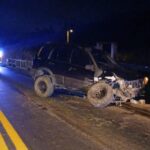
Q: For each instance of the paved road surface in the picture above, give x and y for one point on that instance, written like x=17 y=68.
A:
x=38 y=130
x=59 y=123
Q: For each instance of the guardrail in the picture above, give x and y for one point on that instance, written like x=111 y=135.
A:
x=18 y=63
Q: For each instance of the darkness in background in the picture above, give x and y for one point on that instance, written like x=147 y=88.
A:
x=126 y=22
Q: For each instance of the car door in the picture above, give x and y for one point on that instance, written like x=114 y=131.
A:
x=41 y=58
x=59 y=63
x=80 y=72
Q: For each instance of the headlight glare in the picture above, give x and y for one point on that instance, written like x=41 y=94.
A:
x=145 y=81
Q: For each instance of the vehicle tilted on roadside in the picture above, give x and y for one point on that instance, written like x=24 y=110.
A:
x=87 y=69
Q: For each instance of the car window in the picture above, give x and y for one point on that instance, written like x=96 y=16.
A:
x=99 y=56
x=44 y=52
x=54 y=54
x=80 y=58
x=61 y=54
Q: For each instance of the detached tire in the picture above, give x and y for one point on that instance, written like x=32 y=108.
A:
x=100 y=94
x=43 y=86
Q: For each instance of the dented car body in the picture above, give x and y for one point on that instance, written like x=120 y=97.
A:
x=86 y=69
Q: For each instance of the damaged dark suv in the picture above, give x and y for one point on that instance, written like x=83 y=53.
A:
x=86 y=69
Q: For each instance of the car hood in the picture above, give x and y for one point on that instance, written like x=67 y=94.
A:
x=120 y=70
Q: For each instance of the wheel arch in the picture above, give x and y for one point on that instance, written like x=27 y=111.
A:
x=44 y=71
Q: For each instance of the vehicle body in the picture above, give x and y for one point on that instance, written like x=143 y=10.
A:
x=86 y=69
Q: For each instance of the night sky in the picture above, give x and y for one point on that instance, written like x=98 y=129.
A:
x=108 y=20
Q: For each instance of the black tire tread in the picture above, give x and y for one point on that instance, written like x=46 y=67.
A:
x=106 y=100
x=49 y=84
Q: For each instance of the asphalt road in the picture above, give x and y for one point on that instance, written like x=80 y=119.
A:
x=38 y=129
x=66 y=122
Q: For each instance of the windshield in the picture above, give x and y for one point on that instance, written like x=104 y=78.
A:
x=102 y=57
x=104 y=60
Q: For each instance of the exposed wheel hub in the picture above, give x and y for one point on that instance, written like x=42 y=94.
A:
x=42 y=86
x=100 y=93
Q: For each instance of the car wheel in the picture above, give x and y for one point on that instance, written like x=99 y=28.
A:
x=100 y=94
x=43 y=86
